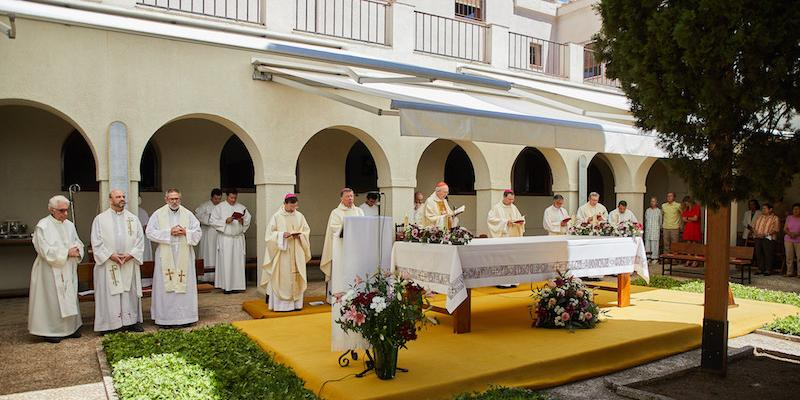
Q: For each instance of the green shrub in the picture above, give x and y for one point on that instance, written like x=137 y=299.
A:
x=240 y=368
x=163 y=377
x=788 y=325
x=502 y=393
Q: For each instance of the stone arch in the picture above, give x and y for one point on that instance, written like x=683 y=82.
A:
x=602 y=178
x=531 y=161
x=60 y=114
x=476 y=156
x=233 y=127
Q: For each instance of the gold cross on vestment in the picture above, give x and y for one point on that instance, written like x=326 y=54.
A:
x=181 y=275
x=169 y=273
x=114 y=274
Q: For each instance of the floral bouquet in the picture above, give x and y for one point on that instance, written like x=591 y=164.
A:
x=458 y=236
x=581 y=229
x=413 y=233
x=629 y=229
x=387 y=311
x=603 y=228
x=564 y=302
x=433 y=234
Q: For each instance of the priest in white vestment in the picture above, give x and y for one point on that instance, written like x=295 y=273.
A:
x=333 y=234
x=556 y=217
x=621 y=214
x=437 y=209
x=592 y=212
x=231 y=220
x=415 y=215
x=143 y=218
x=176 y=231
x=118 y=248
x=504 y=218
x=207 y=249
x=285 y=258
x=53 y=311
x=371 y=207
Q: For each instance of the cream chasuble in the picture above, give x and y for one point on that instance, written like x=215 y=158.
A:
x=284 y=266
x=498 y=219
x=437 y=212
x=333 y=243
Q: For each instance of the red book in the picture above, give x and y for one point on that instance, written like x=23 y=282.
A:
x=237 y=215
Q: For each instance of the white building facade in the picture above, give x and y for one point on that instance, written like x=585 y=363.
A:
x=309 y=96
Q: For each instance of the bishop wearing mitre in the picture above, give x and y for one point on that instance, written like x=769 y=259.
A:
x=53 y=311
x=176 y=231
x=504 y=218
x=437 y=209
x=332 y=249
x=287 y=252
x=118 y=248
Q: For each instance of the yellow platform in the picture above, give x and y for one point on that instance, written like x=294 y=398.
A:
x=258 y=308
x=502 y=348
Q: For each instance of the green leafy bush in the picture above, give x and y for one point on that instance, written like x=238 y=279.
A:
x=163 y=377
x=739 y=291
x=503 y=393
x=240 y=368
x=788 y=325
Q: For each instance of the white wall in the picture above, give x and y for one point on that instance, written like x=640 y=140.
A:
x=30 y=173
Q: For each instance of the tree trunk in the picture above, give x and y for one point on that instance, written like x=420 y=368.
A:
x=714 y=356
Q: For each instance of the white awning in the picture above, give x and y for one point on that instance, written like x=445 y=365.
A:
x=462 y=112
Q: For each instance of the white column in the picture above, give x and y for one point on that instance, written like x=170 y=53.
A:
x=576 y=63
x=400 y=25
x=269 y=196
x=397 y=201
x=497 y=46
x=118 y=159
x=583 y=180
x=485 y=199
x=635 y=200
x=734 y=221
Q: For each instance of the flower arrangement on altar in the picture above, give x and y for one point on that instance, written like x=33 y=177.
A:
x=629 y=229
x=387 y=310
x=603 y=228
x=564 y=302
x=433 y=234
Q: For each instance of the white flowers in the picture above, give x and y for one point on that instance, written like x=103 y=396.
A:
x=350 y=295
x=378 y=304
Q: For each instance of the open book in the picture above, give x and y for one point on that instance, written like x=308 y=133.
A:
x=459 y=210
x=520 y=221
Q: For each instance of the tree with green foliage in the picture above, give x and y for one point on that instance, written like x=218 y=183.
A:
x=720 y=84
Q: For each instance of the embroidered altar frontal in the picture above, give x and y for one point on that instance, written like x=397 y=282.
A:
x=487 y=262
x=502 y=348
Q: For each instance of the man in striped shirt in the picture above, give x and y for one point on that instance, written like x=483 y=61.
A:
x=765 y=232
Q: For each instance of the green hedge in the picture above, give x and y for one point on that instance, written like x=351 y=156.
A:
x=789 y=325
x=163 y=377
x=238 y=367
x=503 y=393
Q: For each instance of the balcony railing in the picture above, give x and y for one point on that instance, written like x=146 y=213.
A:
x=594 y=71
x=449 y=37
x=539 y=55
x=237 y=10
x=362 y=20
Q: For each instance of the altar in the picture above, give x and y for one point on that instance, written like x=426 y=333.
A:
x=454 y=270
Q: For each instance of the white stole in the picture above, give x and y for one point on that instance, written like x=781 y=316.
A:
x=175 y=274
x=119 y=277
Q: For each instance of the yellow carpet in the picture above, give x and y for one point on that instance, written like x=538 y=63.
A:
x=258 y=308
x=502 y=348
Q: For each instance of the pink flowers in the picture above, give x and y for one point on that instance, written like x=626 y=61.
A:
x=564 y=302
x=588 y=316
x=353 y=315
x=565 y=316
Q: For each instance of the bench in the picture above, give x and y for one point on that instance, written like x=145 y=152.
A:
x=739 y=256
x=86 y=275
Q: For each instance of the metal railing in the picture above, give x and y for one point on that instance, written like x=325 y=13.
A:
x=362 y=20
x=237 y=10
x=594 y=71
x=534 y=54
x=449 y=37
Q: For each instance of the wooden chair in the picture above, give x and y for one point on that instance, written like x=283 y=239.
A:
x=742 y=257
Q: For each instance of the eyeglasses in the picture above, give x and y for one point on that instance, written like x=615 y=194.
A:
x=63 y=210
